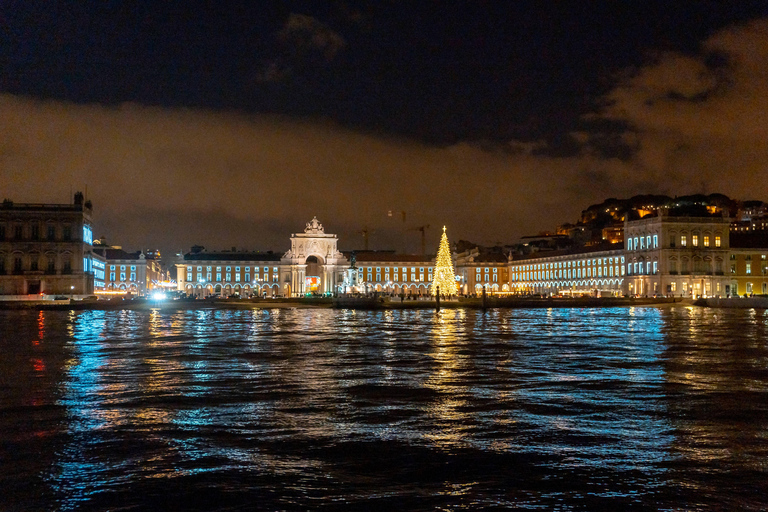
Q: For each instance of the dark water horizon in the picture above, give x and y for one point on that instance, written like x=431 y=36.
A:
x=320 y=409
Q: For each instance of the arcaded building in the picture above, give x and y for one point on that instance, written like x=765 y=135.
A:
x=595 y=270
x=312 y=266
x=134 y=273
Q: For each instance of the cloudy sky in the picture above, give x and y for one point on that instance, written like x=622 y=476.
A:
x=203 y=124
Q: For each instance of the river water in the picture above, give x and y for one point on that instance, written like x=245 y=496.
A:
x=320 y=409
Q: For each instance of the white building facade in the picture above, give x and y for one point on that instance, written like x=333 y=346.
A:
x=596 y=271
x=677 y=256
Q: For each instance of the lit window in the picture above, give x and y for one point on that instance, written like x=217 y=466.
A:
x=683 y=240
x=717 y=241
x=87 y=234
x=695 y=240
x=655 y=240
x=749 y=268
x=706 y=241
x=655 y=267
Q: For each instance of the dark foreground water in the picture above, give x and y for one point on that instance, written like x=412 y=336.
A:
x=620 y=409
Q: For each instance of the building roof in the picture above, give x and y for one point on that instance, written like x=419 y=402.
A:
x=116 y=254
x=491 y=257
x=749 y=240
x=233 y=256
x=387 y=257
x=566 y=252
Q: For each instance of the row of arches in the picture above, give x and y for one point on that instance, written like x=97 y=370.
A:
x=612 y=286
x=124 y=287
x=200 y=290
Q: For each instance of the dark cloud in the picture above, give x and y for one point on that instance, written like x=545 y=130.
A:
x=492 y=127
x=694 y=123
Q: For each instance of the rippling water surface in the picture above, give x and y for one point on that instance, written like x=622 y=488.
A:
x=299 y=409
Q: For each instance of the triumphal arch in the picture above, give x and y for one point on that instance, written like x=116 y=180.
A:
x=313 y=264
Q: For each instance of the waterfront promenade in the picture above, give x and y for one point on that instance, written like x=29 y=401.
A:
x=346 y=303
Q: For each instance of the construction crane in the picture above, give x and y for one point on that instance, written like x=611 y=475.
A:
x=366 y=233
x=423 y=230
x=391 y=213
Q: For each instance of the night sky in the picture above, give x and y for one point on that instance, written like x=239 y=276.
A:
x=224 y=125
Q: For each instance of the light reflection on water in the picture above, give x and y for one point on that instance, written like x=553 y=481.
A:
x=553 y=408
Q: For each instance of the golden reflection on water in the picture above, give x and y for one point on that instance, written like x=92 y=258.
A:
x=446 y=377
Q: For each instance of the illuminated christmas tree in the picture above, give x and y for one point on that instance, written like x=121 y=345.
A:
x=444 y=278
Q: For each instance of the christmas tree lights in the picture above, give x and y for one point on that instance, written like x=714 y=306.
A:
x=444 y=281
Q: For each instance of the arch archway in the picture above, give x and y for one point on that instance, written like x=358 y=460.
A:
x=313 y=274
